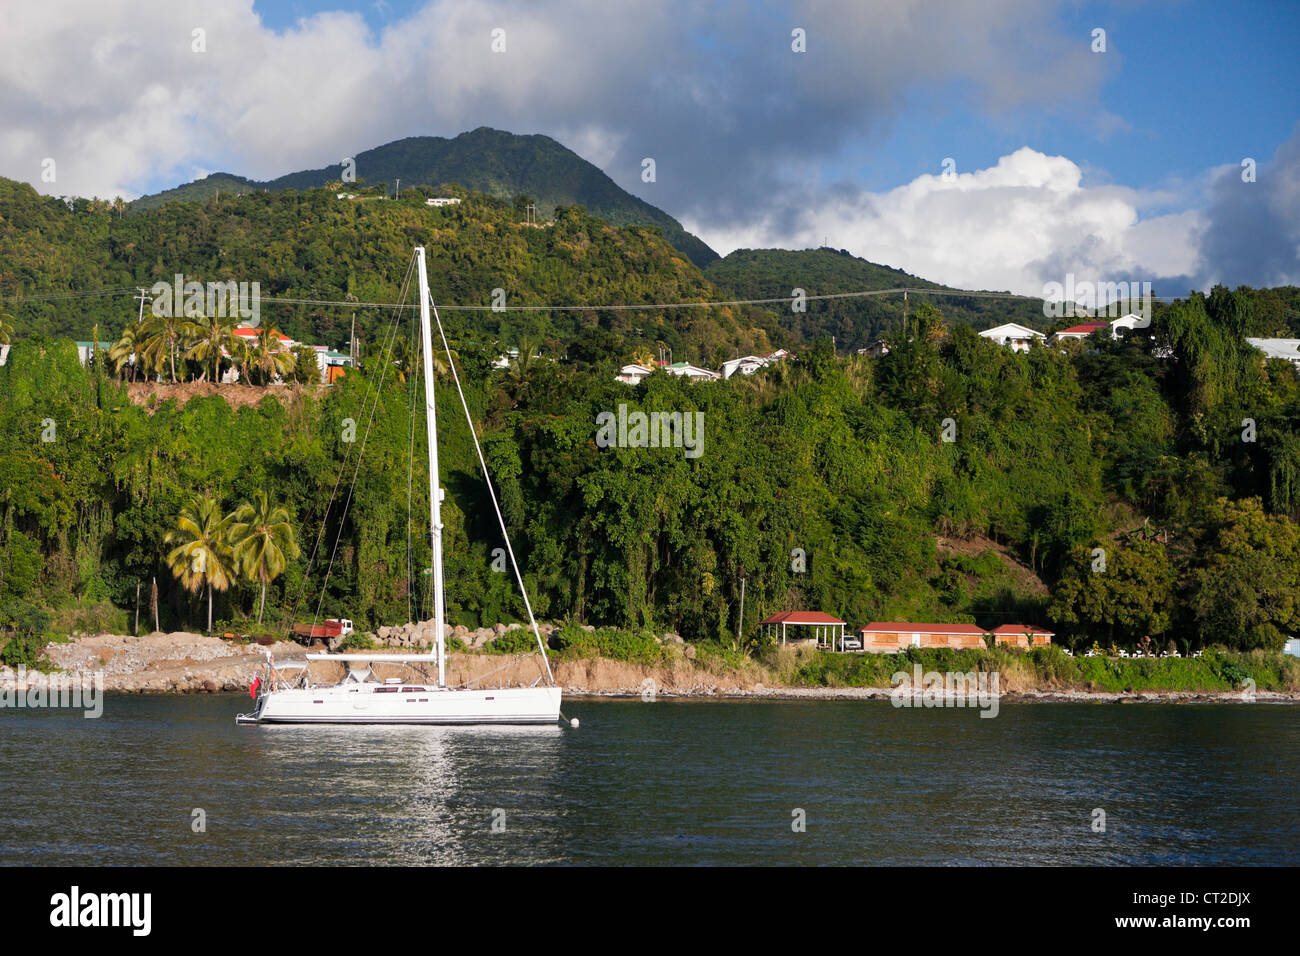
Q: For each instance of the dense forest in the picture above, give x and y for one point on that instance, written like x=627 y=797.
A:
x=1098 y=489
x=1114 y=490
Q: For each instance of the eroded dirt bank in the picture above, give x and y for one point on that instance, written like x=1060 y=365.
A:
x=192 y=663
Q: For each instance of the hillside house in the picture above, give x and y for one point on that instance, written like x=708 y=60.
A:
x=1014 y=336
x=634 y=374
x=1288 y=349
x=1081 y=331
x=692 y=372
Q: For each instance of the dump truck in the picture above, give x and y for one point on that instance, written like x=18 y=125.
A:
x=330 y=628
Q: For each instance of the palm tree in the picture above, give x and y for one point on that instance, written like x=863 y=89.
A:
x=213 y=338
x=409 y=360
x=201 y=554
x=6 y=328
x=269 y=357
x=241 y=356
x=262 y=541
x=130 y=348
x=165 y=335
x=520 y=369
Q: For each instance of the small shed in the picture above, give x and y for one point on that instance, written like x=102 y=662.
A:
x=826 y=630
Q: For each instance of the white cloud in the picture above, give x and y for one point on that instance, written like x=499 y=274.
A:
x=1022 y=222
x=114 y=92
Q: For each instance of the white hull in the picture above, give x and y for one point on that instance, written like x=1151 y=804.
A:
x=408 y=704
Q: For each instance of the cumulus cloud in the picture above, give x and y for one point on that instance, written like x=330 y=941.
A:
x=1027 y=220
x=740 y=126
x=114 y=91
x=1252 y=232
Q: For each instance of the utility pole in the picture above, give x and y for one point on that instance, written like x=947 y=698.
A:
x=136 y=633
x=399 y=190
x=904 y=315
x=352 y=342
x=144 y=294
x=740 y=629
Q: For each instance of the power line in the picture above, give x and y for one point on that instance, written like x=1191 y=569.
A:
x=622 y=307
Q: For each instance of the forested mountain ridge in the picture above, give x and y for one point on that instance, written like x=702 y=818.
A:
x=312 y=245
x=485 y=160
x=57 y=258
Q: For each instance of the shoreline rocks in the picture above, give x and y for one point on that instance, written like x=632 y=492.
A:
x=182 y=662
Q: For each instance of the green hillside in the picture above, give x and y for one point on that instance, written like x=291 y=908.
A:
x=486 y=160
x=855 y=323
x=312 y=245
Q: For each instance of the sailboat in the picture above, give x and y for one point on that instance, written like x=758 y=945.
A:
x=361 y=698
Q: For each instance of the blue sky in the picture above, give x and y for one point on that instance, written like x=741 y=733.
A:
x=1122 y=162
x=1174 y=70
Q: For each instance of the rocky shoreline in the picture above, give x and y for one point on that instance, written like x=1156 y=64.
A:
x=192 y=663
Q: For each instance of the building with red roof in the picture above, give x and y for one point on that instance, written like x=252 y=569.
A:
x=824 y=629
x=1081 y=331
x=1022 y=635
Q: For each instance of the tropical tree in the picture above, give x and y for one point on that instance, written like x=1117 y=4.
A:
x=214 y=337
x=6 y=328
x=201 y=556
x=129 y=350
x=408 y=359
x=164 y=336
x=262 y=540
x=269 y=357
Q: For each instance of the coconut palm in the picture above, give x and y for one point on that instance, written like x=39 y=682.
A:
x=129 y=349
x=262 y=541
x=6 y=328
x=201 y=557
x=269 y=357
x=409 y=360
x=520 y=369
x=214 y=337
x=166 y=335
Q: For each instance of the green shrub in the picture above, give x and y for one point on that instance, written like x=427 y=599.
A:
x=636 y=647
x=518 y=641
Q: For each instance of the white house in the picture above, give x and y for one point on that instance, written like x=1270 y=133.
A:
x=4 y=354
x=442 y=201
x=633 y=374
x=1288 y=349
x=875 y=349
x=1016 y=337
x=693 y=372
x=745 y=365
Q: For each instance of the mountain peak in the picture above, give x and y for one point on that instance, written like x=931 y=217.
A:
x=492 y=161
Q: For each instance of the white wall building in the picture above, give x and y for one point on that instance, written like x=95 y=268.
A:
x=634 y=374
x=1011 y=335
x=1288 y=349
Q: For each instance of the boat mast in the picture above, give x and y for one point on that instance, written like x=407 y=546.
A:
x=435 y=491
